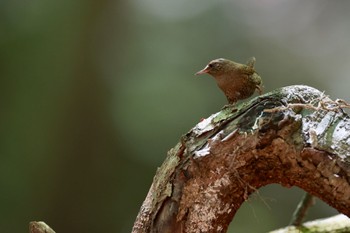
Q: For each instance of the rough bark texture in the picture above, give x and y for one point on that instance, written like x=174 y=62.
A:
x=39 y=227
x=219 y=163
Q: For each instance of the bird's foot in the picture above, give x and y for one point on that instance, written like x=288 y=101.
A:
x=231 y=106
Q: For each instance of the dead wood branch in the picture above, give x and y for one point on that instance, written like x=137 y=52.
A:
x=226 y=157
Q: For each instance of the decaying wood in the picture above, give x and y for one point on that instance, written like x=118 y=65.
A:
x=336 y=224
x=39 y=227
x=275 y=138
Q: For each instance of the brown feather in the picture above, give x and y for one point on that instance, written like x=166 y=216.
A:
x=237 y=81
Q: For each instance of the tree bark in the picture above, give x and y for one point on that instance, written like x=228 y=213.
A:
x=39 y=227
x=336 y=224
x=294 y=136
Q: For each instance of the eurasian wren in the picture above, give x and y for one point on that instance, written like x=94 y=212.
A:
x=237 y=81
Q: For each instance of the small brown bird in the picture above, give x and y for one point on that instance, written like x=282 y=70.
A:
x=237 y=81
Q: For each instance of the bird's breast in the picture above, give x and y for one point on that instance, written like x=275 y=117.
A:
x=236 y=87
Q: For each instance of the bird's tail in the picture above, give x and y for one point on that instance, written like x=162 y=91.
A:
x=251 y=62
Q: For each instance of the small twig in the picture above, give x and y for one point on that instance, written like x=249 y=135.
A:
x=306 y=202
x=322 y=103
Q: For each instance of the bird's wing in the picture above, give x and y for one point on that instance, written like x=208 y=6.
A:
x=248 y=70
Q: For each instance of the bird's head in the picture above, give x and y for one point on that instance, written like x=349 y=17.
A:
x=217 y=67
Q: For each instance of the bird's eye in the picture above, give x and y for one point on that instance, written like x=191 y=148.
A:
x=210 y=65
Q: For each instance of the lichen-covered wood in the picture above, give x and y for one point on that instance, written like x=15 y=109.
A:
x=294 y=136
x=39 y=227
x=336 y=224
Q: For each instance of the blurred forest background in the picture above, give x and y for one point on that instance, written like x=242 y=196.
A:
x=94 y=93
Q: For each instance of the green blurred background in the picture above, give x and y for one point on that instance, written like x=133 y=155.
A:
x=94 y=93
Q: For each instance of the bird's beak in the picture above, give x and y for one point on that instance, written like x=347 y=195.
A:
x=204 y=71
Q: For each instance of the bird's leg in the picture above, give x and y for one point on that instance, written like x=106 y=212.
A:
x=229 y=105
x=260 y=89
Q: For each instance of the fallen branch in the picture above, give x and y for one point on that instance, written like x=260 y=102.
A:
x=221 y=161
